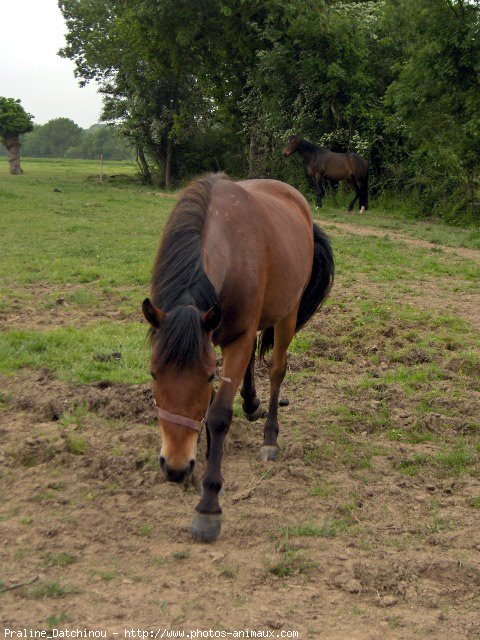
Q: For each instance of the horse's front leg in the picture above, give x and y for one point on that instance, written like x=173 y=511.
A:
x=206 y=523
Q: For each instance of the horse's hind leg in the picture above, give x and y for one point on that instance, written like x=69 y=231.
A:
x=364 y=194
x=320 y=189
x=354 y=184
x=251 y=404
x=284 y=332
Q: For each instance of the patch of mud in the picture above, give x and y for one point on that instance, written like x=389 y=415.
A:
x=48 y=399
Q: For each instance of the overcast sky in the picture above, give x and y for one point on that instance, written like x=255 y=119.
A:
x=31 y=33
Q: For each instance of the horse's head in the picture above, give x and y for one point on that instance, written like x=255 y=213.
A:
x=183 y=367
x=291 y=146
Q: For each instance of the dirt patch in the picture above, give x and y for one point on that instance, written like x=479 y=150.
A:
x=363 y=230
x=391 y=555
x=42 y=305
x=49 y=399
x=365 y=528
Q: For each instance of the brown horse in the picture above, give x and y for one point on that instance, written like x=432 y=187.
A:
x=235 y=258
x=323 y=164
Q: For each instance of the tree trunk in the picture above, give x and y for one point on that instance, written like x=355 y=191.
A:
x=13 y=148
x=168 y=164
x=142 y=163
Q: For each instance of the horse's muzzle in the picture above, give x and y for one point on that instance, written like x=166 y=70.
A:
x=176 y=475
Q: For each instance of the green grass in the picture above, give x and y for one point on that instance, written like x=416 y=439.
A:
x=75 y=416
x=290 y=562
x=75 y=236
x=91 y=247
x=51 y=589
x=69 y=352
x=76 y=444
x=145 y=530
x=397 y=217
x=55 y=620
x=457 y=460
x=61 y=559
x=474 y=502
x=412 y=466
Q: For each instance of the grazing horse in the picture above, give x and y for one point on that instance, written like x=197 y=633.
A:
x=235 y=258
x=323 y=164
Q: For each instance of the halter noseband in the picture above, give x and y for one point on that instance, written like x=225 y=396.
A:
x=196 y=425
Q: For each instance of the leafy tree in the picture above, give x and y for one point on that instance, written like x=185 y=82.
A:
x=435 y=98
x=52 y=139
x=14 y=121
x=145 y=74
x=101 y=139
x=198 y=85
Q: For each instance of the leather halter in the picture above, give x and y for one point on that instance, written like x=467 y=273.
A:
x=196 y=425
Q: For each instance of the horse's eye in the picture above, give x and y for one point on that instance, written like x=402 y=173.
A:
x=211 y=378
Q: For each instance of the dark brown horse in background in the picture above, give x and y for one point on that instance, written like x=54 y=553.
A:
x=235 y=258
x=323 y=164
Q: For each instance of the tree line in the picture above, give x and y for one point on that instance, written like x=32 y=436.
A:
x=200 y=86
x=197 y=86
x=63 y=138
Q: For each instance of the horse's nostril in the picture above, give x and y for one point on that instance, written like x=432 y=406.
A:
x=192 y=465
x=162 y=462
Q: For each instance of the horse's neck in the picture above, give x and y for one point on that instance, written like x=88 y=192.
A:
x=308 y=150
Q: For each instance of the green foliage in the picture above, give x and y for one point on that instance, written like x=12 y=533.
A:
x=14 y=120
x=372 y=77
x=101 y=139
x=61 y=137
x=52 y=139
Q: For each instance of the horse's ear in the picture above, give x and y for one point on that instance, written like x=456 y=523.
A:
x=153 y=314
x=211 y=318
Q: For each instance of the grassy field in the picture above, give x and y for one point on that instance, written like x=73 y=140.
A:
x=366 y=527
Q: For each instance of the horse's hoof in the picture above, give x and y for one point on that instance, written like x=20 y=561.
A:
x=283 y=402
x=362 y=210
x=268 y=453
x=205 y=527
x=258 y=413
x=199 y=490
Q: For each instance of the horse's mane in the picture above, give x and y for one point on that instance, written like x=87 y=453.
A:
x=305 y=145
x=180 y=286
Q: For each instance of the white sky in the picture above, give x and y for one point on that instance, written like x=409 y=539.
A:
x=31 y=33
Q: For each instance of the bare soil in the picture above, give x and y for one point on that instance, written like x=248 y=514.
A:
x=396 y=551
x=365 y=230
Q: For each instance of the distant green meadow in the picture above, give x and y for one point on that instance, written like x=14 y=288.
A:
x=69 y=241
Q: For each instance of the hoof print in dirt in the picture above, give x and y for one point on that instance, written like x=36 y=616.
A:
x=205 y=527
x=268 y=453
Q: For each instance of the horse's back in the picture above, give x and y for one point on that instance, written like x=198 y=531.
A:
x=259 y=246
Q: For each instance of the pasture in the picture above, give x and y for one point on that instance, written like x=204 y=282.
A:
x=366 y=526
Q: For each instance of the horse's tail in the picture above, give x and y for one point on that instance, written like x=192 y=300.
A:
x=317 y=290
